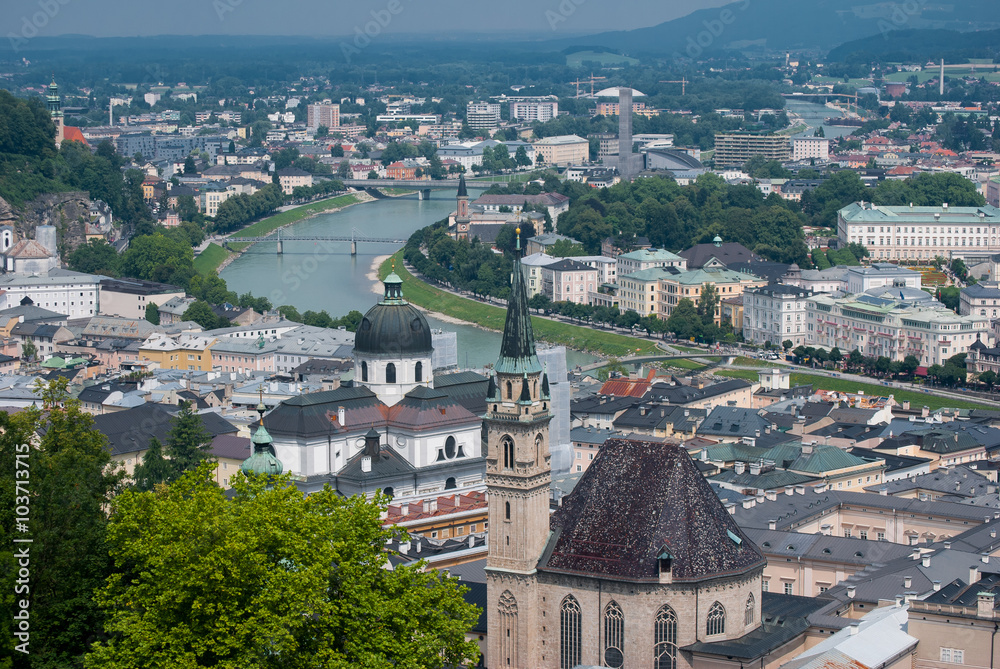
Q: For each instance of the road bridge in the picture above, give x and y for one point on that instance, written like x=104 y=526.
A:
x=355 y=238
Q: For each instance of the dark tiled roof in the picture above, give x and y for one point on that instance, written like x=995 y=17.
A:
x=956 y=481
x=892 y=462
x=730 y=252
x=635 y=498
x=315 y=413
x=680 y=394
x=768 y=480
x=733 y=422
x=230 y=446
x=466 y=388
x=129 y=431
x=388 y=465
x=424 y=408
x=783 y=618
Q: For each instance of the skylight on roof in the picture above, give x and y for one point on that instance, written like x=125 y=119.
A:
x=735 y=539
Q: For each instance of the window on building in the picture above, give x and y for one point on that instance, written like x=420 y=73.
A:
x=364 y=371
x=508 y=453
x=506 y=510
x=569 y=633
x=953 y=655
x=748 y=616
x=614 y=636
x=390 y=373
x=418 y=372
x=716 y=623
x=787 y=588
x=880 y=536
x=765 y=585
x=665 y=639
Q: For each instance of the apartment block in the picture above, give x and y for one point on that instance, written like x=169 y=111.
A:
x=737 y=148
x=534 y=111
x=482 y=115
x=804 y=148
x=775 y=313
x=563 y=150
x=322 y=114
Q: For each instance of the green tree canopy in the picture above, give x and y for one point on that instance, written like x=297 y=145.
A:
x=270 y=579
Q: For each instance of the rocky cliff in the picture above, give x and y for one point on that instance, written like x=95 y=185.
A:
x=68 y=212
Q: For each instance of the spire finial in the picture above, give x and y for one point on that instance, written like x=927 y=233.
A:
x=517 y=232
x=261 y=407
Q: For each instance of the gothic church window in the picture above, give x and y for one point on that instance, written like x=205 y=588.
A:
x=716 y=620
x=508 y=453
x=748 y=618
x=569 y=633
x=665 y=639
x=614 y=636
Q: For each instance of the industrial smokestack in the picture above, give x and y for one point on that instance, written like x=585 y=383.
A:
x=942 y=77
x=625 y=132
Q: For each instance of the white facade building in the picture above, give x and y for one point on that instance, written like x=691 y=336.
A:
x=804 y=148
x=534 y=111
x=775 y=313
x=878 y=327
x=636 y=261
x=921 y=233
x=880 y=275
x=567 y=280
x=71 y=293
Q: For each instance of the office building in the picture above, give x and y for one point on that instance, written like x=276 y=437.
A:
x=775 y=313
x=482 y=115
x=563 y=150
x=804 y=148
x=322 y=114
x=532 y=111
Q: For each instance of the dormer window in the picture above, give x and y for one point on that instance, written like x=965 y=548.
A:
x=665 y=559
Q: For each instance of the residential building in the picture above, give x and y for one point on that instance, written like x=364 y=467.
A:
x=74 y=294
x=957 y=624
x=554 y=203
x=291 y=178
x=530 y=112
x=921 y=233
x=606 y=267
x=567 y=280
x=804 y=148
x=542 y=243
x=993 y=192
x=982 y=358
x=31 y=256
x=718 y=254
x=482 y=115
x=886 y=327
x=129 y=298
x=324 y=113
x=563 y=150
x=980 y=298
x=831 y=280
x=636 y=261
x=211 y=196
x=638 y=291
x=675 y=285
x=737 y=148
x=775 y=313
x=531 y=266
x=184 y=351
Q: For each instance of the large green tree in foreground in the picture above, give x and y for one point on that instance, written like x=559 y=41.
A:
x=269 y=578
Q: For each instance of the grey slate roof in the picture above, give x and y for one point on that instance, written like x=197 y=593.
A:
x=956 y=481
x=736 y=422
x=129 y=431
x=315 y=413
x=680 y=394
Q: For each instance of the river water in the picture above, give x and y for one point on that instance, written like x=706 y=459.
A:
x=814 y=114
x=324 y=275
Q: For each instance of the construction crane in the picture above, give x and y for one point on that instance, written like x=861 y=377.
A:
x=683 y=82
x=591 y=81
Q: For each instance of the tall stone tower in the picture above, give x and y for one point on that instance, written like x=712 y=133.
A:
x=54 y=106
x=516 y=432
x=462 y=217
x=626 y=163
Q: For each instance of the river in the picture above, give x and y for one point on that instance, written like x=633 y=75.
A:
x=324 y=275
x=813 y=115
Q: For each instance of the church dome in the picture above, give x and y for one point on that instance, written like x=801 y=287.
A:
x=393 y=326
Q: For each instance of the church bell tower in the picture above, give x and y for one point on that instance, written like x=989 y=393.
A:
x=462 y=217
x=518 y=474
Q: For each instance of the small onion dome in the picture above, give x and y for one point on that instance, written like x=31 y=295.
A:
x=263 y=460
x=717 y=241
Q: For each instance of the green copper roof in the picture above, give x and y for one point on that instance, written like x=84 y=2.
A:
x=517 y=350
x=263 y=460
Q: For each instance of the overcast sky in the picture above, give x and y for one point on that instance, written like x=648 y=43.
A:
x=104 y=18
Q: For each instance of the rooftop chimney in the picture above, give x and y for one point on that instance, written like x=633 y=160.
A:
x=947 y=545
x=366 y=464
x=984 y=605
x=907 y=582
x=974 y=574
x=341 y=414
x=925 y=561
x=772 y=524
x=854 y=628
x=937 y=585
x=851 y=590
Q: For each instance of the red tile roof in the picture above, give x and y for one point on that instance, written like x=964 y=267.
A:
x=73 y=134
x=442 y=506
x=627 y=387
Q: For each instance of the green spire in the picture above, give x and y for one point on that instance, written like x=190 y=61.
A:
x=263 y=461
x=517 y=349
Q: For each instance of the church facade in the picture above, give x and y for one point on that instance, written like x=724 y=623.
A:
x=429 y=442
x=640 y=562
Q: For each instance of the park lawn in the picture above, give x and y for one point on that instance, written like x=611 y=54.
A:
x=208 y=261
x=492 y=318
x=268 y=225
x=742 y=361
x=684 y=363
x=915 y=398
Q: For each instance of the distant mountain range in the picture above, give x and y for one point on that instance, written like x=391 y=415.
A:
x=791 y=24
x=913 y=45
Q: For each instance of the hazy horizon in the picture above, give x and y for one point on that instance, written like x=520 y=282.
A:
x=316 y=18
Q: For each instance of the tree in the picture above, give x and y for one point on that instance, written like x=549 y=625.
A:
x=232 y=147
x=835 y=355
x=684 y=320
x=708 y=302
x=539 y=302
x=153 y=313
x=189 y=166
x=336 y=150
x=201 y=313
x=322 y=131
x=154 y=468
x=270 y=578
x=613 y=367
x=71 y=484
x=372 y=174
x=188 y=442
x=988 y=379
x=29 y=350
x=787 y=344
x=95 y=257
